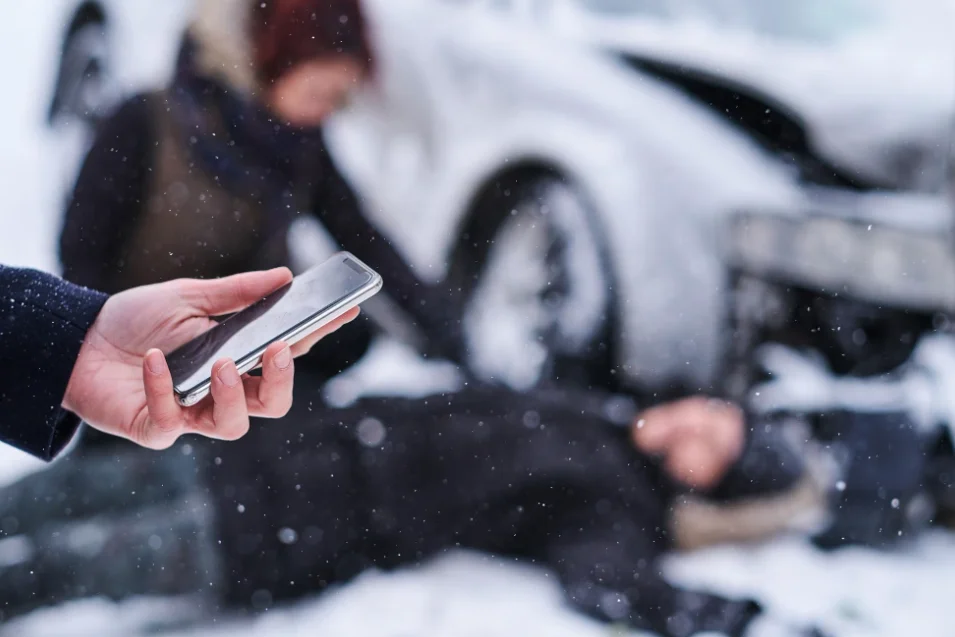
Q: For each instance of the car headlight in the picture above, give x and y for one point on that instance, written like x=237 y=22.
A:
x=836 y=256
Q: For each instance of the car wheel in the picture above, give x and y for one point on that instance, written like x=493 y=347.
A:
x=536 y=286
x=84 y=88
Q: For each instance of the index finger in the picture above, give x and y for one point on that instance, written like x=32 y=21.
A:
x=214 y=297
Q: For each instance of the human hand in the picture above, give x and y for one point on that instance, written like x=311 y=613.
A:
x=121 y=384
x=699 y=438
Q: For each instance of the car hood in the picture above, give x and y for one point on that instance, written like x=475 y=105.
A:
x=879 y=112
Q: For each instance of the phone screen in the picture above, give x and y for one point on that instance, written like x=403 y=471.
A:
x=310 y=294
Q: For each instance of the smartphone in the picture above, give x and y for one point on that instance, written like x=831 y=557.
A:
x=312 y=300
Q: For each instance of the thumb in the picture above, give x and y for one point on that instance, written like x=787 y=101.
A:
x=214 y=297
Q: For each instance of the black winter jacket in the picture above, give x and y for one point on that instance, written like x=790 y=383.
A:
x=43 y=321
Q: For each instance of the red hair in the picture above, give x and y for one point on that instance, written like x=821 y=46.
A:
x=285 y=33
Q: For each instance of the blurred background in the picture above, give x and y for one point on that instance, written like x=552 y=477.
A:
x=746 y=198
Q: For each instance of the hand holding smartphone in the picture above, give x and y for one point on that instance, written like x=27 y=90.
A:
x=312 y=300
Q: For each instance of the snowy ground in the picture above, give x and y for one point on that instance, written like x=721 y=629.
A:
x=855 y=593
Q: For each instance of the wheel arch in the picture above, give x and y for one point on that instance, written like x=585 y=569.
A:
x=482 y=216
x=486 y=211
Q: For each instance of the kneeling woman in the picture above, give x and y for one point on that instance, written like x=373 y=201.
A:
x=206 y=177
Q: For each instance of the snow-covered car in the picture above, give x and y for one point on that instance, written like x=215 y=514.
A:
x=576 y=203
x=579 y=168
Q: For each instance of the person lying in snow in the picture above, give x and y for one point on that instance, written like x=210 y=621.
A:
x=550 y=477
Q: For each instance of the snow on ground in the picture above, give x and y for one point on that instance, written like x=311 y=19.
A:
x=853 y=593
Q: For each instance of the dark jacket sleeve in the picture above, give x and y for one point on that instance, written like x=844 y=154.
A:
x=768 y=465
x=108 y=196
x=431 y=311
x=43 y=321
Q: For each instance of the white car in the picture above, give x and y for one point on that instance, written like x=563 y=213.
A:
x=552 y=164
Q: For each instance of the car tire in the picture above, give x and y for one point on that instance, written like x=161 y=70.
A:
x=84 y=88
x=536 y=284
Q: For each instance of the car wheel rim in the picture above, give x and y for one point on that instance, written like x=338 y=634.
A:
x=542 y=291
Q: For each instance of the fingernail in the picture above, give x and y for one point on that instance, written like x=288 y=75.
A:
x=284 y=358
x=229 y=375
x=155 y=362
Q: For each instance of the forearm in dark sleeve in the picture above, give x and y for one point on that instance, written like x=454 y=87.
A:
x=43 y=321
x=435 y=312
x=769 y=464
